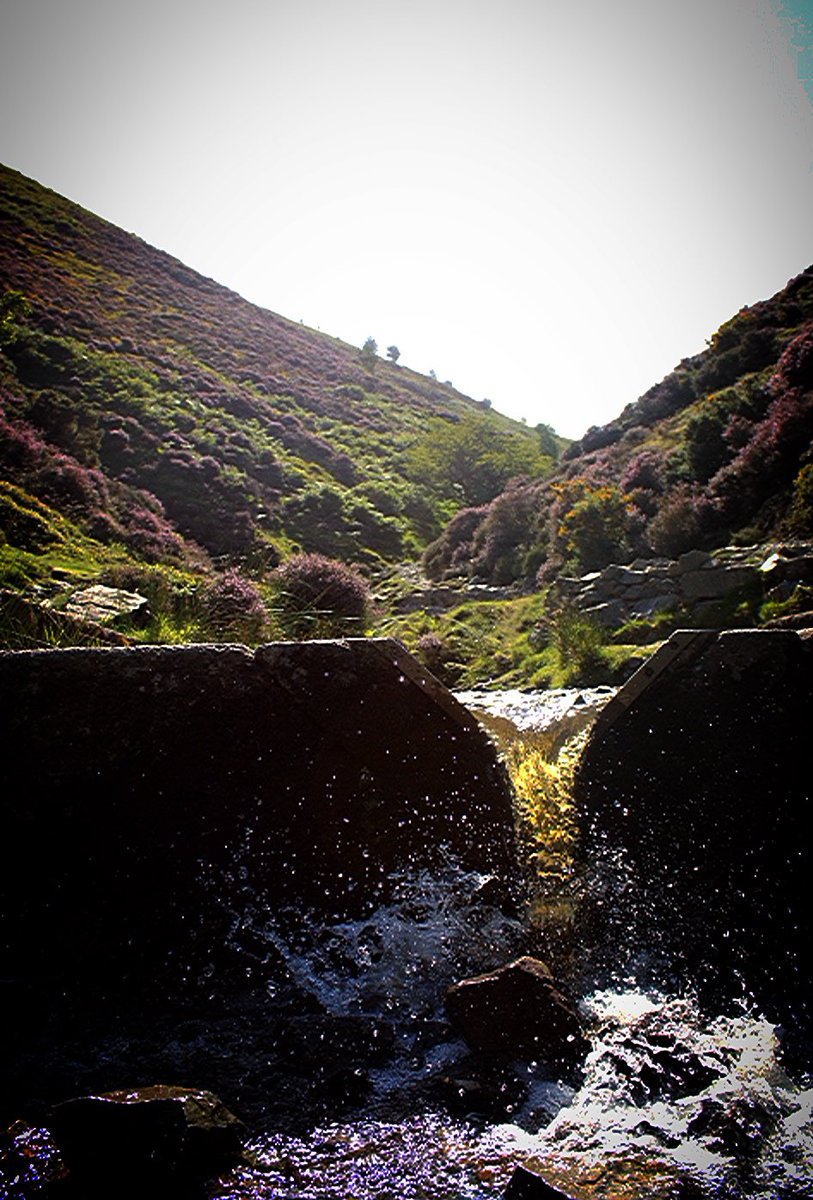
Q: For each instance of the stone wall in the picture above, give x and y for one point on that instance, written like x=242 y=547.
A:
x=696 y=582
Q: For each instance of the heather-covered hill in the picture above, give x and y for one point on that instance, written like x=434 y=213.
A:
x=160 y=434
x=150 y=415
x=719 y=451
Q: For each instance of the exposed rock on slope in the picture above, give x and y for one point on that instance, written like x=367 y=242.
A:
x=694 y=583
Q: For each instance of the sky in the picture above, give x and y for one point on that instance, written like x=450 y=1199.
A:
x=547 y=202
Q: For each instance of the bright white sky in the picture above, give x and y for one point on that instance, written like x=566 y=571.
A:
x=548 y=202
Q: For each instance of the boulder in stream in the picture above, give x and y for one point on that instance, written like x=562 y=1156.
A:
x=518 y=1011
x=158 y=1140
x=525 y=1184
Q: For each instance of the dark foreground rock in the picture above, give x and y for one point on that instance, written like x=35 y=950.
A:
x=30 y=1163
x=518 y=1011
x=694 y=794
x=525 y=1184
x=150 y=794
x=157 y=1140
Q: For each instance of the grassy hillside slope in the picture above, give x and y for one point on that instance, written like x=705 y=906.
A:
x=719 y=451
x=150 y=416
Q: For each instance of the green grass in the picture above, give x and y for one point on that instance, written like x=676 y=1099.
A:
x=504 y=643
x=801 y=600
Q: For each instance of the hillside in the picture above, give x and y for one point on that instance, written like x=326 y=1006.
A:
x=161 y=435
x=719 y=451
x=703 y=486
x=150 y=416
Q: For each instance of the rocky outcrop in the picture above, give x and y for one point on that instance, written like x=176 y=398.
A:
x=434 y=599
x=157 y=1140
x=694 y=798
x=518 y=1011
x=695 y=582
x=149 y=795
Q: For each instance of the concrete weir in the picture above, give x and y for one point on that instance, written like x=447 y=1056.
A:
x=147 y=793
x=696 y=779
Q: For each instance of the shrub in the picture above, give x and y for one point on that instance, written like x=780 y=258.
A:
x=681 y=523
x=795 y=366
x=665 y=398
x=471 y=460
x=430 y=650
x=316 y=517
x=320 y=597
x=234 y=608
x=439 y=657
x=23 y=522
x=577 y=640
x=149 y=534
x=14 y=308
x=369 y=352
x=503 y=539
x=769 y=461
x=379 y=533
x=706 y=445
x=451 y=553
x=799 y=520
x=596 y=524
x=645 y=471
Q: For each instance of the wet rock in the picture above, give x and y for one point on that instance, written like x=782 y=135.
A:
x=735 y=1124
x=30 y=1162
x=354 y=1038
x=518 y=1011
x=525 y=1184
x=168 y=1139
x=335 y=1089
x=661 y=1073
x=694 y=797
x=478 y=1086
x=647 y=1129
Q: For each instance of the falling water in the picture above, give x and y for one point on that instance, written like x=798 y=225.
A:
x=671 y=1102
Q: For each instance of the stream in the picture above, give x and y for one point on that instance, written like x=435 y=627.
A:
x=671 y=1102
x=379 y=1099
